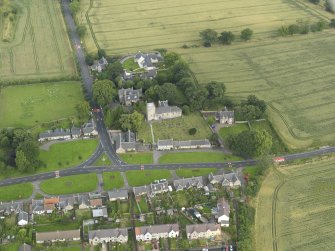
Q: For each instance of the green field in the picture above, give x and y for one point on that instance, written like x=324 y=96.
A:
x=29 y=105
x=187 y=173
x=294 y=75
x=295 y=208
x=67 y=154
x=170 y=24
x=145 y=177
x=40 y=48
x=16 y=192
x=225 y=132
x=137 y=158
x=103 y=161
x=194 y=157
x=71 y=184
x=112 y=180
x=177 y=129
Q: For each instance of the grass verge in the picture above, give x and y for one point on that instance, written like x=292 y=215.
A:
x=145 y=177
x=112 y=180
x=16 y=192
x=193 y=157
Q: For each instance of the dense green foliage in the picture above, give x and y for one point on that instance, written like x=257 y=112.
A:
x=302 y=27
x=131 y=121
x=246 y=34
x=245 y=219
x=104 y=92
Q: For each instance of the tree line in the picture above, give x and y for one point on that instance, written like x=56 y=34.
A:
x=210 y=36
x=304 y=27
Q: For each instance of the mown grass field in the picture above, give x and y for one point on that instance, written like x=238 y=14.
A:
x=137 y=158
x=145 y=177
x=71 y=184
x=294 y=75
x=40 y=48
x=112 y=180
x=66 y=154
x=296 y=208
x=103 y=161
x=187 y=173
x=16 y=192
x=29 y=105
x=196 y=157
x=170 y=24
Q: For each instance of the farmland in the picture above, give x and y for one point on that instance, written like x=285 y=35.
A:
x=113 y=25
x=302 y=201
x=294 y=75
x=28 y=105
x=40 y=48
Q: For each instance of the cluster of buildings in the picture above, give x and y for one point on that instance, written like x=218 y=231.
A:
x=170 y=144
x=222 y=117
x=162 y=111
x=99 y=65
x=87 y=130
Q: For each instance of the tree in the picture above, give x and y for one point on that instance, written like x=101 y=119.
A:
x=30 y=150
x=81 y=30
x=253 y=100
x=186 y=110
x=83 y=111
x=246 y=34
x=104 y=92
x=131 y=121
x=168 y=92
x=113 y=116
x=227 y=37
x=74 y=7
x=170 y=58
x=89 y=59
x=21 y=161
x=283 y=31
x=209 y=36
x=192 y=131
x=250 y=112
x=332 y=23
x=293 y=29
x=196 y=97
x=215 y=90
x=319 y=26
x=251 y=143
x=115 y=70
x=101 y=53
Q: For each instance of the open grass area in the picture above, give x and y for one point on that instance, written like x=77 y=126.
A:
x=170 y=24
x=71 y=184
x=40 y=48
x=112 y=180
x=235 y=129
x=194 y=157
x=103 y=161
x=178 y=128
x=130 y=64
x=16 y=192
x=137 y=158
x=187 y=173
x=67 y=154
x=29 y=105
x=293 y=204
x=294 y=75
x=145 y=177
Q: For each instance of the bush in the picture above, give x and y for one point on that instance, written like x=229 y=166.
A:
x=192 y=131
x=207 y=44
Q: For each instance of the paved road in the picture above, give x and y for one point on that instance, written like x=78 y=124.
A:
x=84 y=71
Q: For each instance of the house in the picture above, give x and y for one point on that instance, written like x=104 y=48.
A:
x=226 y=180
x=25 y=247
x=50 y=204
x=108 y=235
x=225 y=116
x=162 y=111
x=142 y=190
x=23 y=218
x=88 y=129
x=119 y=194
x=83 y=201
x=57 y=134
x=76 y=133
x=100 y=212
x=169 y=144
x=99 y=65
x=223 y=211
x=129 y=96
x=203 y=231
x=155 y=232
x=148 y=60
x=187 y=183
x=69 y=235
x=123 y=141
x=9 y=208
x=152 y=189
x=67 y=203
x=95 y=200
x=37 y=207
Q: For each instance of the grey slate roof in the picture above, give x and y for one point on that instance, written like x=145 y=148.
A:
x=100 y=212
x=165 y=142
x=117 y=194
x=186 y=143
x=163 y=107
x=141 y=190
x=23 y=216
x=56 y=133
x=155 y=229
x=201 y=228
x=223 y=207
x=105 y=233
x=147 y=58
x=186 y=183
x=129 y=95
x=58 y=235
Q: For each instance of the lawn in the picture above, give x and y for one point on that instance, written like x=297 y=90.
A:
x=67 y=154
x=187 y=173
x=112 y=180
x=178 y=128
x=71 y=184
x=170 y=24
x=194 y=157
x=145 y=177
x=103 y=161
x=235 y=129
x=130 y=64
x=250 y=170
x=40 y=48
x=301 y=202
x=137 y=158
x=29 y=105
x=16 y=192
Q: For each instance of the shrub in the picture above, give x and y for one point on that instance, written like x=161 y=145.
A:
x=192 y=131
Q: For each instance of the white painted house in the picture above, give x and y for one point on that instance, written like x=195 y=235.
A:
x=155 y=232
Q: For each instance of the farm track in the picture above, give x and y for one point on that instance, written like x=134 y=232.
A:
x=60 y=61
